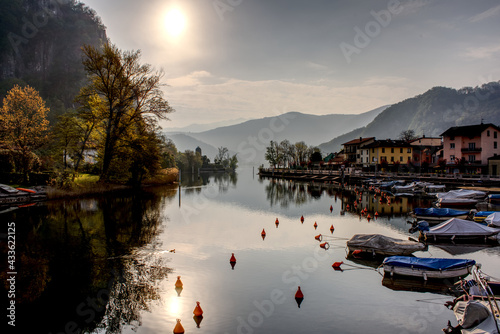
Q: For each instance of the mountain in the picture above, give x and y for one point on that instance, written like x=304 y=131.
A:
x=249 y=139
x=430 y=114
x=204 y=127
x=185 y=142
x=40 y=46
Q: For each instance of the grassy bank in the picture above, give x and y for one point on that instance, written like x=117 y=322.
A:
x=89 y=185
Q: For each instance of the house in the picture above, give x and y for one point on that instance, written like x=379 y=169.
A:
x=426 y=149
x=469 y=147
x=389 y=151
x=494 y=166
x=352 y=149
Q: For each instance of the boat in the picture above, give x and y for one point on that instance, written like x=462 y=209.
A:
x=456 y=229
x=493 y=220
x=462 y=193
x=12 y=196
x=380 y=245
x=436 y=268
x=456 y=202
x=494 y=199
x=438 y=214
x=480 y=216
x=478 y=312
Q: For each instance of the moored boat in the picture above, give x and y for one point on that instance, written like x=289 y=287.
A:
x=494 y=199
x=438 y=214
x=380 y=245
x=493 y=220
x=455 y=229
x=426 y=268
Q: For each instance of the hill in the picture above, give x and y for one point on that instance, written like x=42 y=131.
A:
x=430 y=114
x=185 y=142
x=40 y=46
x=250 y=138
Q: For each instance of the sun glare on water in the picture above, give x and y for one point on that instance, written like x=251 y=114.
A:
x=175 y=22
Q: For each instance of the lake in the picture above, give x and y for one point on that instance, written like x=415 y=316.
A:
x=110 y=264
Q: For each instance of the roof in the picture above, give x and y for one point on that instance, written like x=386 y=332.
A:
x=388 y=143
x=358 y=141
x=468 y=130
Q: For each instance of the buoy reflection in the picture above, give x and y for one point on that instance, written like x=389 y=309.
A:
x=197 y=319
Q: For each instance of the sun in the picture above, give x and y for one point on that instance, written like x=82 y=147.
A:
x=175 y=22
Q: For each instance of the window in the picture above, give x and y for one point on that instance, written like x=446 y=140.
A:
x=495 y=146
x=452 y=137
x=401 y=159
x=488 y=133
x=409 y=150
x=472 y=146
x=373 y=159
x=392 y=159
x=361 y=160
x=472 y=158
x=495 y=134
x=373 y=150
x=392 y=149
x=452 y=157
x=383 y=149
x=367 y=152
x=401 y=150
x=452 y=145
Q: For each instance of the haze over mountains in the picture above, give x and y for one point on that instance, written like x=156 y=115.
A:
x=250 y=138
x=430 y=114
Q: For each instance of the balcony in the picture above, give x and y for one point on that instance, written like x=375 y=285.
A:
x=472 y=150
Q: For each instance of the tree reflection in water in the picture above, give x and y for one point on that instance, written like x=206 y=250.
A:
x=89 y=264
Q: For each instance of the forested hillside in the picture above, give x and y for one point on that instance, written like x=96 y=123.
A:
x=40 y=45
x=430 y=114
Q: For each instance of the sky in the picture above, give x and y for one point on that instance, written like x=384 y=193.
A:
x=245 y=59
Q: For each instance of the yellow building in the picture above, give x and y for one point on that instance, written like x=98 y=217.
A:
x=391 y=151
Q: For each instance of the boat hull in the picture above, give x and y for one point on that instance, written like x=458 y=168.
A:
x=426 y=274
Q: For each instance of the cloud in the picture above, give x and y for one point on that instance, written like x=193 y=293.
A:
x=192 y=79
x=484 y=15
x=487 y=52
x=234 y=98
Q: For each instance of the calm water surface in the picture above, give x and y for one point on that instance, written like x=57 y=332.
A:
x=107 y=265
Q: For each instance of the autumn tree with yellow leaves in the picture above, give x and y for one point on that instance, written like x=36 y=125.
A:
x=23 y=124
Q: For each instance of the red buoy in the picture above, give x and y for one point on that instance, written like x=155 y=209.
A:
x=178 y=283
x=302 y=219
x=178 y=329
x=315 y=225
x=318 y=237
x=356 y=251
x=299 y=293
x=277 y=221
x=332 y=228
x=263 y=233
x=325 y=245
x=331 y=208
x=197 y=310
x=232 y=259
x=336 y=265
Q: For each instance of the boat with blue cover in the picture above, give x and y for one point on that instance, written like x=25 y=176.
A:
x=438 y=214
x=437 y=268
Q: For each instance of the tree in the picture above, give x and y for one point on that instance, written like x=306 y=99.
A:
x=407 y=135
x=130 y=95
x=23 y=123
x=272 y=153
x=222 y=156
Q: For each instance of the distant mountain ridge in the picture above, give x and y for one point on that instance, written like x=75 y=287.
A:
x=430 y=114
x=250 y=138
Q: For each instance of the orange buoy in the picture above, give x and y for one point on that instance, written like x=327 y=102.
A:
x=277 y=221
x=315 y=225
x=336 y=265
x=356 y=251
x=263 y=233
x=27 y=190
x=318 y=237
x=299 y=293
x=332 y=228
x=178 y=283
x=197 y=310
x=347 y=206
x=368 y=217
x=325 y=245
x=376 y=214
x=178 y=329
x=302 y=219
x=232 y=259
